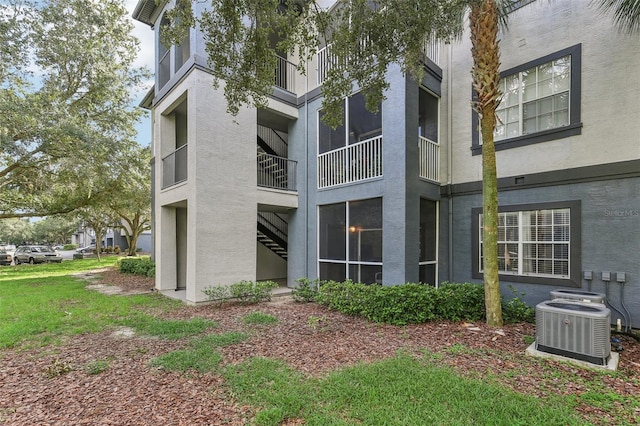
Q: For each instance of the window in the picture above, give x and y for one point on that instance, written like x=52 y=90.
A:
x=352 y=152
x=350 y=241
x=534 y=100
x=428 y=269
x=361 y=125
x=537 y=244
x=513 y=5
x=540 y=101
x=163 y=72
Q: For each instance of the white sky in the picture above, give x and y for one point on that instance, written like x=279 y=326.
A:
x=146 y=58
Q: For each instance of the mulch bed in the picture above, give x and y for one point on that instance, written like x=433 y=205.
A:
x=54 y=385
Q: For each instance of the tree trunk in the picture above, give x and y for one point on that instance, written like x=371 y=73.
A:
x=98 y=243
x=483 y=21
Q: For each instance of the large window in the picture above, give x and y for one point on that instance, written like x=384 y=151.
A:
x=350 y=241
x=534 y=100
x=428 y=270
x=360 y=125
x=536 y=242
x=540 y=101
x=168 y=54
x=352 y=152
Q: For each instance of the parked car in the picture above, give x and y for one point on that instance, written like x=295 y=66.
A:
x=57 y=247
x=87 y=249
x=36 y=254
x=5 y=258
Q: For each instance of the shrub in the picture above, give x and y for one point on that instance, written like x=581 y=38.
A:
x=70 y=247
x=414 y=303
x=252 y=292
x=138 y=266
x=515 y=310
x=116 y=249
x=403 y=304
x=460 y=301
x=244 y=291
x=306 y=291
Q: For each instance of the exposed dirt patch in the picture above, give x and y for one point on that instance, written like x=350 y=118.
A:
x=55 y=385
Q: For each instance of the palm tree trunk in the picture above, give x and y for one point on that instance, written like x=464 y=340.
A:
x=483 y=21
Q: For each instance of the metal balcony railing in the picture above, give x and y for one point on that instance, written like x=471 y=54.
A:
x=276 y=172
x=326 y=59
x=353 y=163
x=429 y=155
x=174 y=167
x=432 y=49
x=285 y=75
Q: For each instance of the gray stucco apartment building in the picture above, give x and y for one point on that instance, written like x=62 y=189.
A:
x=395 y=197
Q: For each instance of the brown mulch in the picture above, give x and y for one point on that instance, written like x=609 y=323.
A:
x=53 y=385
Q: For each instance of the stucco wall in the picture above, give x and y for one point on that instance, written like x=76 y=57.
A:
x=610 y=90
x=610 y=237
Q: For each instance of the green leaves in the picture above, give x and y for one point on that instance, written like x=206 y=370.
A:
x=414 y=303
x=243 y=37
x=71 y=116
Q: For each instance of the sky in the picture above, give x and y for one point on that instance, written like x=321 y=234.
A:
x=145 y=58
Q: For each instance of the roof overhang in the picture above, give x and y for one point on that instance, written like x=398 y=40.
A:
x=144 y=11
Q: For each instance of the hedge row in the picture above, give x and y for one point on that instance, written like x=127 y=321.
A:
x=408 y=303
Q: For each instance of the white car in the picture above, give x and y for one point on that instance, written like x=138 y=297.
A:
x=36 y=254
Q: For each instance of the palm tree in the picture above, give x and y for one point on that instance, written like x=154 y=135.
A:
x=626 y=13
x=483 y=22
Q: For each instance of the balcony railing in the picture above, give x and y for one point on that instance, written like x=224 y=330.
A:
x=325 y=62
x=353 y=163
x=276 y=172
x=174 y=167
x=432 y=49
x=326 y=59
x=429 y=154
x=285 y=75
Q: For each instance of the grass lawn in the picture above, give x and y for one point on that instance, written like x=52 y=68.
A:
x=44 y=305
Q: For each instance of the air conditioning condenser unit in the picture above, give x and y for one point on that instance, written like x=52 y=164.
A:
x=575 y=330
x=578 y=296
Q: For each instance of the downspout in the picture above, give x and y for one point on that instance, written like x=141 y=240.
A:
x=306 y=169
x=449 y=159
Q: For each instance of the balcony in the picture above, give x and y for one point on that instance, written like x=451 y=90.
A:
x=326 y=59
x=354 y=163
x=325 y=62
x=429 y=155
x=276 y=172
x=174 y=167
x=285 y=75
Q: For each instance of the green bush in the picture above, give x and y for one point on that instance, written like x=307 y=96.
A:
x=244 y=291
x=306 y=291
x=138 y=266
x=70 y=247
x=460 y=301
x=415 y=303
x=515 y=310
